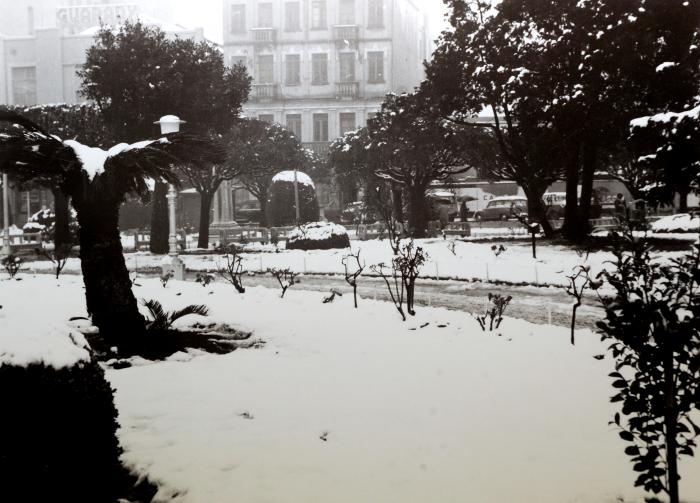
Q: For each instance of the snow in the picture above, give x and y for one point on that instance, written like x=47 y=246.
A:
x=31 y=337
x=317 y=231
x=344 y=406
x=93 y=159
x=288 y=176
x=665 y=65
x=682 y=222
x=666 y=117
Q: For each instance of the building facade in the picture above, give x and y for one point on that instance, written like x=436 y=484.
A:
x=322 y=67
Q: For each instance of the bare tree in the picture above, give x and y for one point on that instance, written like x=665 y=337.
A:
x=285 y=277
x=494 y=313
x=353 y=270
x=233 y=270
x=578 y=282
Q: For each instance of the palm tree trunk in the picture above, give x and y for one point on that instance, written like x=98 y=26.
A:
x=571 y=212
x=159 y=219
x=537 y=210
x=204 y=211
x=262 y=199
x=110 y=300
x=417 y=214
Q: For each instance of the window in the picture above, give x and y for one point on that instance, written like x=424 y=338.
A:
x=319 y=68
x=266 y=74
x=318 y=15
x=320 y=127
x=376 y=67
x=265 y=15
x=370 y=116
x=269 y=118
x=347 y=67
x=294 y=125
x=347 y=12
x=238 y=18
x=292 y=19
x=239 y=60
x=24 y=85
x=375 y=14
x=347 y=123
x=293 y=69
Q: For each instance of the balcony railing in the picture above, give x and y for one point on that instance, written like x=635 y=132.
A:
x=346 y=35
x=265 y=91
x=320 y=148
x=347 y=90
x=264 y=35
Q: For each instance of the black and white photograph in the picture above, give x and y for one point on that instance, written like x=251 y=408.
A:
x=350 y=251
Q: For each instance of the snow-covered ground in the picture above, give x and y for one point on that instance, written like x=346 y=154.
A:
x=469 y=261
x=342 y=405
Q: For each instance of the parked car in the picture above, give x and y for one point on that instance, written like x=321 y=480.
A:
x=248 y=213
x=556 y=204
x=502 y=208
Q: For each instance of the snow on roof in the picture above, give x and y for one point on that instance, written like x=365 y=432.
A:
x=682 y=222
x=693 y=113
x=509 y=198
x=440 y=193
x=93 y=158
x=288 y=176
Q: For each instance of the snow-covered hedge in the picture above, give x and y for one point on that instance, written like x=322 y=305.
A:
x=58 y=421
x=683 y=222
x=318 y=236
x=281 y=202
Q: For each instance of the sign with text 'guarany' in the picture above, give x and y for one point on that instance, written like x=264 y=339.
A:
x=86 y=16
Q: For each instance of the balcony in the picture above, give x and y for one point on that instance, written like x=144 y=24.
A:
x=346 y=35
x=320 y=148
x=347 y=90
x=264 y=92
x=264 y=35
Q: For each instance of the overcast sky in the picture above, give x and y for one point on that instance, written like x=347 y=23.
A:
x=207 y=14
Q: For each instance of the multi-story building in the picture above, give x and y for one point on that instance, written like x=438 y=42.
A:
x=322 y=67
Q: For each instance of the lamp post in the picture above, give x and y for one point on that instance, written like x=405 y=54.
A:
x=296 y=196
x=171 y=124
x=6 y=249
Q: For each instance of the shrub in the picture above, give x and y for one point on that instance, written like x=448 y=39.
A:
x=58 y=434
x=318 y=236
x=281 y=209
x=11 y=264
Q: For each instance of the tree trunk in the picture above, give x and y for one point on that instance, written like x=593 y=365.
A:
x=590 y=156
x=417 y=217
x=61 y=207
x=159 y=219
x=110 y=301
x=671 y=427
x=262 y=199
x=683 y=201
x=397 y=202
x=537 y=211
x=571 y=229
x=204 y=211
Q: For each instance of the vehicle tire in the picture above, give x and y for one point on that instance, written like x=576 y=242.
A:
x=504 y=217
x=477 y=217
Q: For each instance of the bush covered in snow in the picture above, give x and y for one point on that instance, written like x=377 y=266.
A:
x=58 y=434
x=281 y=202
x=318 y=236
x=683 y=222
x=44 y=222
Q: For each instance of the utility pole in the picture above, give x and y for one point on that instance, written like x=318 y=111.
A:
x=6 y=248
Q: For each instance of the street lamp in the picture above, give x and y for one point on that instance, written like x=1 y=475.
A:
x=6 y=249
x=171 y=124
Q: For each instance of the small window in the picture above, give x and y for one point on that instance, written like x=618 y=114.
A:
x=238 y=18
x=375 y=14
x=347 y=67
x=320 y=127
x=347 y=123
x=318 y=15
x=294 y=125
x=266 y=74
x=292 y=18
x=346 y=14
x=269 y=118
x=265 y=19
x=319 y=68
x=292 y=70
x=376 y=67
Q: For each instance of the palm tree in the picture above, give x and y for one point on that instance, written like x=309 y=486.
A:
x=97 y=182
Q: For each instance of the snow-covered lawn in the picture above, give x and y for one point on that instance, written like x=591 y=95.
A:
x=356 y=406
x=470 y=261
